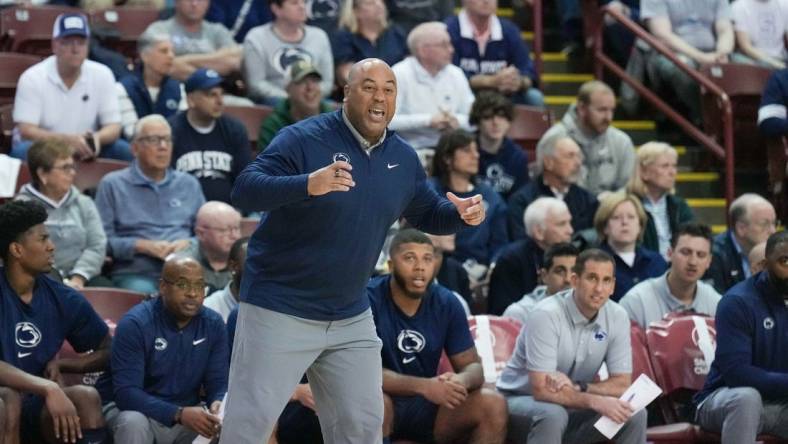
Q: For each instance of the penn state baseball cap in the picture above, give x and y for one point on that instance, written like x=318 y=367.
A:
x=70 y=23
x=300 y=69
x=202 y=79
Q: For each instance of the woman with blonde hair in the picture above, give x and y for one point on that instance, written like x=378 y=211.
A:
x=619 y=223
x=653 y=182
x=364 y=32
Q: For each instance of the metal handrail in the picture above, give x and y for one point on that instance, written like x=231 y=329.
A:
x=538 y=36
x=724 y=152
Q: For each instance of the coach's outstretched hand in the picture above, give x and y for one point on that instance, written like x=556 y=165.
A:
x=334 y=177
x=471 y=209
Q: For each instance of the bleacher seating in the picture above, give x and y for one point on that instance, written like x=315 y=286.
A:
x=90 y=173
x=252 y=117
x=29 y=29
x=6 y=127
x=743 y=84
x=119 y=28
x=528 y=126
x=13 y=65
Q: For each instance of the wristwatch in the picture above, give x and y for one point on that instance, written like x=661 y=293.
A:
x=583 y=386
x=178 y=414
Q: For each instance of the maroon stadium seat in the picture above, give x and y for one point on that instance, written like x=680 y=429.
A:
x=29 y=29
x=6 y=127
x=120 y=28
x=252 y=117
x=90 y=173
x=13 y=65
x=528 y=126
x=112 y=303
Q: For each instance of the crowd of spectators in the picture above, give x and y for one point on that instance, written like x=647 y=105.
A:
x=588 y=237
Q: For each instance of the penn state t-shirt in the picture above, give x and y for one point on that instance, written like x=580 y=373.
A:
x=412 y=345
x=32 y=334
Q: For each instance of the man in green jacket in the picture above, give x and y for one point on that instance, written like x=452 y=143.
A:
x=304 y=99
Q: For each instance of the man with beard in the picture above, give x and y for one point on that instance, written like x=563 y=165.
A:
x=417 y=321
x=747 y=385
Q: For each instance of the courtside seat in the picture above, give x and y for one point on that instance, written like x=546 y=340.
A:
x=495 y=338
x=112 y=303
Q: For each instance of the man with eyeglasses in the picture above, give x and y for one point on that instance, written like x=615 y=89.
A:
x=208 y=144
x=69 y=98
x=148 y=209
x=434 y=95
x=217 y=227
x=550 y=381
x=752 y=221
x=166 y=351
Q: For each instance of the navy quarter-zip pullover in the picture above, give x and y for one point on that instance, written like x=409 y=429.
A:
x=311 y=257
x=157 y=367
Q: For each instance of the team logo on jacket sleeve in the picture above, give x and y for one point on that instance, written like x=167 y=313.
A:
x=27 y=335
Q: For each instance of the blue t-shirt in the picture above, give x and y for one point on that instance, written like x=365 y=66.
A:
x=412 y=345
x=505 y=171
x=352 y=47
x=484 y=242
x=33 y=334
x=157 y=367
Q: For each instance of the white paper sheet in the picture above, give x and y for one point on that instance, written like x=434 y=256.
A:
x=639 y=394
x=204 y=440
x=9 y=171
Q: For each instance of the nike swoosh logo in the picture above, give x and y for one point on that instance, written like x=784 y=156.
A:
x=198 y=341
x=23 y=355
x=392 y=166
x=408 y=360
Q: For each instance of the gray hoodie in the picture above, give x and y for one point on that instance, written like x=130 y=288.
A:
x=75 y=228
x=608 y=158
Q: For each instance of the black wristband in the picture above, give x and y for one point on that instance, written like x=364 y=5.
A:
x=583 y=386
x=178 y=415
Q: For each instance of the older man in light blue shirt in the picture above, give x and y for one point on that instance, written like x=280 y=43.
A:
x=148 y=209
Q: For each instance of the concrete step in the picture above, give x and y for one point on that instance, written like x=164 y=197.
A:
x=563 y=84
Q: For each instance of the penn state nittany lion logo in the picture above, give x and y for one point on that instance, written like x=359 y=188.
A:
x=284 y=57
x=340 y=157
x=27 y=335
x=317 y=9
x=410 y=341
x=160 y=344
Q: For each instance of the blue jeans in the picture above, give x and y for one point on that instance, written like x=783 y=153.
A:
x=531 y=97
x=118 y=150
x=136 y=282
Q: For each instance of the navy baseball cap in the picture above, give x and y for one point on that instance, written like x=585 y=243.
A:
x=202 y=79
x=71 y=23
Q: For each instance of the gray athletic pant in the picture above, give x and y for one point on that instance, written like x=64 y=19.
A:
x=131 y=427
x=273 y=350
x=739 y=414
x=548 y=423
